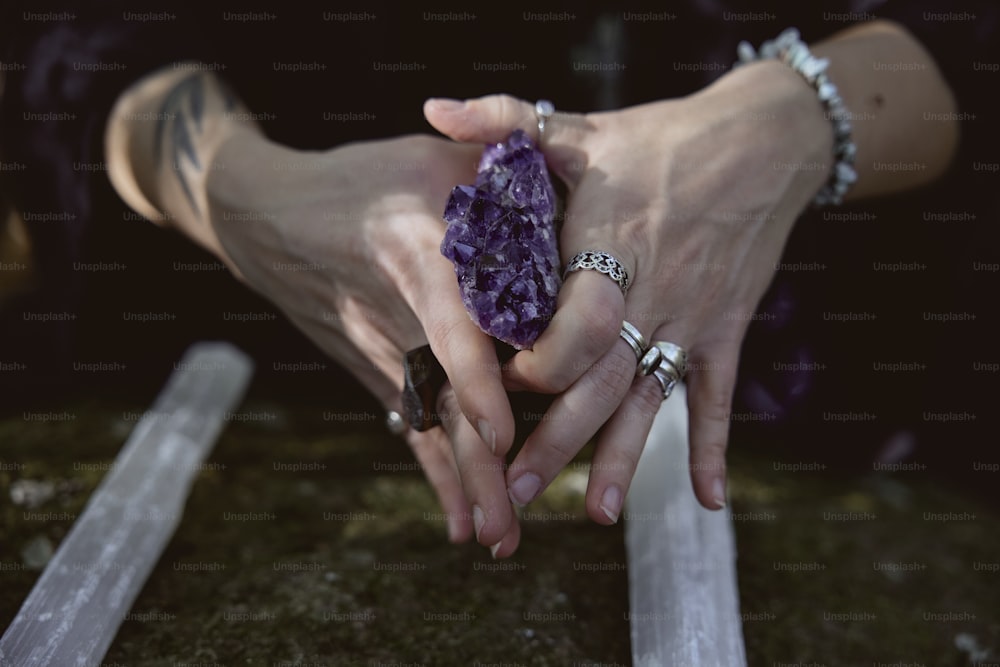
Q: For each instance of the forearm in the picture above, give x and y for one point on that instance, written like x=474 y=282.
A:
x=902 y=108
x=161 y=142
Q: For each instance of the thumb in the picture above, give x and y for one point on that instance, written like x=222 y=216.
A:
x=492 y=118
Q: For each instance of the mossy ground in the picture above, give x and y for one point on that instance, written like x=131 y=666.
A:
x=354 y=568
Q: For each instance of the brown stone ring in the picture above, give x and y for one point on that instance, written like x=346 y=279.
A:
x=423 y=377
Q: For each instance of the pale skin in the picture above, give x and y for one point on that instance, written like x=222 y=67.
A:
x=696 y=197
x=669 y=188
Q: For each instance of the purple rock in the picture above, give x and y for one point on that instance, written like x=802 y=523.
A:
x=501 y=238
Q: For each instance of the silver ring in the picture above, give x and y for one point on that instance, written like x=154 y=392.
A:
x=650 y=361
x=667 y=378
x=675 y=355
x=634 y=338
x=395 y=422
x=543 y=111
x=606 y=263
x=672 y=367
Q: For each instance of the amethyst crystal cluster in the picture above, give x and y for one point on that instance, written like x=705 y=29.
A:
x=502 y=239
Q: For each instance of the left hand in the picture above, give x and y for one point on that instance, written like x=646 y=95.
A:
x=696 y=197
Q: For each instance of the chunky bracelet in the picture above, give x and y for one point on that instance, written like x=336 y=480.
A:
x=791 y=50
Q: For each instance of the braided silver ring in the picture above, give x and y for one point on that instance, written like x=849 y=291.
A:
x=634 y=338
x=543 y=111
x=672 y=367
x=596 y=260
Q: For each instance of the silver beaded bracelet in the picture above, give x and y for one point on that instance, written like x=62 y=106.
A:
x=791 y=50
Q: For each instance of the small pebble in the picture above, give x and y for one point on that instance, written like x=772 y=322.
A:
x=31 y=493
x=37 y=553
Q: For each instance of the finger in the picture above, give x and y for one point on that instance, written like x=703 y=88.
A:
x=482 y=477
x=586 y=323
x=574 y=417
x=618 y=450
x=591 y=305
x=467 y=355
x=508 y=545
x=433 y=451
x=492 y=118
x=711 y=379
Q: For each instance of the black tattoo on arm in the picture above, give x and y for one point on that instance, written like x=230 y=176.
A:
x=180 y=123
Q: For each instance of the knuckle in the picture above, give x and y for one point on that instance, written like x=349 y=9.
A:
x=563 y=450
x=510 y=111
x=447 y=405
x=646 y=398
x=715 y=407
x=611 y=380
x=621 y=465
x=712 y=450
x=599 y=327
x=628 y=461
x=554 y=383
x=440 y=333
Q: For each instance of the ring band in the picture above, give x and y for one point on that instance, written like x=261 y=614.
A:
x=672 y=367
x=603 y=262
x=634 y=338
x=543 y=111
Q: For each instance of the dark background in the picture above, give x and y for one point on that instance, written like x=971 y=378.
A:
x=792 y=403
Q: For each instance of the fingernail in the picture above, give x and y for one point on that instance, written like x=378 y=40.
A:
x=611 y=502
x=488 y=435
x=495 y=548
x=445 y=104
x=719 y=492
x=524 y=489
x=478 y=519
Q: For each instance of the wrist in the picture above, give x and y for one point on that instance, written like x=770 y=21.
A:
x=782 y=120
x=161 y=142
x=250 y=178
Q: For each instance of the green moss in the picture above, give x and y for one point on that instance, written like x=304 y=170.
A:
x=870 y=567
x=354 y=570
x=349 y=571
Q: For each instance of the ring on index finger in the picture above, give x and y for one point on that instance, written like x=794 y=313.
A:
x=543 y=111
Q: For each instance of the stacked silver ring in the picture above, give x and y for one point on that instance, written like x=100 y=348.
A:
x=667 y=362
x=635 y=339
x=672 y=366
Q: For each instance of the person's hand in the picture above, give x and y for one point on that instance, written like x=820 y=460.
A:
x=696 y=197
x=347 y=243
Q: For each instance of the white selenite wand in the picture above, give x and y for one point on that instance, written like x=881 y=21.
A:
x=73 y=613
x=683 y=602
